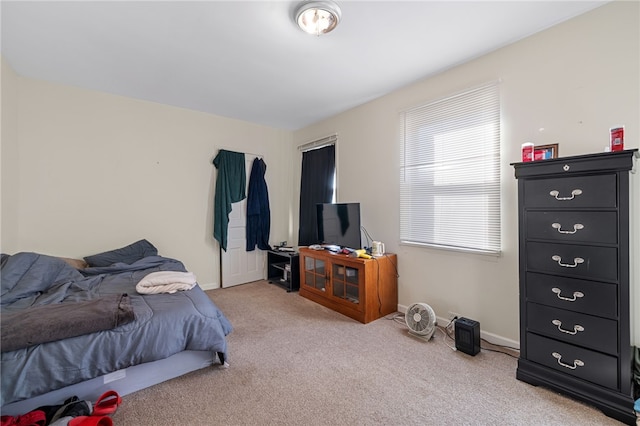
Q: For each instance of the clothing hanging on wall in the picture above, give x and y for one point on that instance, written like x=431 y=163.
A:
x=230 y=188
x=258 y=213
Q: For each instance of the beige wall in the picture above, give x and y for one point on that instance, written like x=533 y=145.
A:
x=97 y=171
x=574 y=80
x=9 y=156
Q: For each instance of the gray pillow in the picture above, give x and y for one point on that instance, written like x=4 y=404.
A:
x=128 y=254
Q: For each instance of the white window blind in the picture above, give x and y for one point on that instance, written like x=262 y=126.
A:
x=450 y=173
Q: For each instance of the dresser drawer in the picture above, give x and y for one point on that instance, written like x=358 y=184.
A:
x=568 y=192
x=591 y=297
x=573 y=360
x=573 y=226
x=578 y=329
x=598 y=263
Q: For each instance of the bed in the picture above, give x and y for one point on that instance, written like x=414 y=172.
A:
x=135 y=341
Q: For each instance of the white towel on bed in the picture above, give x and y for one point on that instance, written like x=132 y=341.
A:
x=166 y=282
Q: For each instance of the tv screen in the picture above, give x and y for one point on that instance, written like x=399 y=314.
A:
x=339 y=224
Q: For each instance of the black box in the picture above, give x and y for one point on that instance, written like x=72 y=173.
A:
x=467 y=336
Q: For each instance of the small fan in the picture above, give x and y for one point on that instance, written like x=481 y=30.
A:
x=421 y=320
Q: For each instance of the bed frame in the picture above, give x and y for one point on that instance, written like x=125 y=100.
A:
x=125 y=381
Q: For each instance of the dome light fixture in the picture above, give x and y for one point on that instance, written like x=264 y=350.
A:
x=318 y=17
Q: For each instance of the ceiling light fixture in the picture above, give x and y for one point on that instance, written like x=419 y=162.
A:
x=318 y=17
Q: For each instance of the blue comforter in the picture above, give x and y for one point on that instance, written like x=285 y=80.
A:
x=165 y=324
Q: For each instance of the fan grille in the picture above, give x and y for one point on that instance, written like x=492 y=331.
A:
x=420 y=319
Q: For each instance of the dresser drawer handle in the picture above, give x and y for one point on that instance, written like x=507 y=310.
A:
x=576 y=363
x=576 y=261
x=576 y=228
x=576 y=294
x=575 y=192
x=576 y=328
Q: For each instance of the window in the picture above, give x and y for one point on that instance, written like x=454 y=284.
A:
x=450 y=173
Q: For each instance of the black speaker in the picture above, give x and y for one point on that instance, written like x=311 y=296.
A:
x=467 y=336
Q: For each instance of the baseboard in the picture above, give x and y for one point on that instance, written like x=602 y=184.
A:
x=209 y=286
x=499 y=340
x=489 y=337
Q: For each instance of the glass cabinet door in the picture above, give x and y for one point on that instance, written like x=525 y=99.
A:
x=346 y=283
x=314 y=273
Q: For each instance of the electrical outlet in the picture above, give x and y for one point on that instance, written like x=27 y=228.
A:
x=453 y=315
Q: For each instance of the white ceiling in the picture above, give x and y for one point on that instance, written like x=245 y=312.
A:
x=248 y=60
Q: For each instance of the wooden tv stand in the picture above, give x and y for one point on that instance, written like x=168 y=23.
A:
x=363 y=289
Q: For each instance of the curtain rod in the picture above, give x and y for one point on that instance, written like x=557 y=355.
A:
x=328 y=140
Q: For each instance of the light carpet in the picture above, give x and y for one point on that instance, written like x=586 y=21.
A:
x=295 y=362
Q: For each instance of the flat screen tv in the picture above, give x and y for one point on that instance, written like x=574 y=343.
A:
x=339 y=224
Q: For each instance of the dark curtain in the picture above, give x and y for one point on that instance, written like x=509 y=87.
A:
x=316 y=186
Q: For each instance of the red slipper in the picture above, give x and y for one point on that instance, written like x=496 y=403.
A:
x=107 y=403
x=91 y=421
x=32 y=418
x=7 y=421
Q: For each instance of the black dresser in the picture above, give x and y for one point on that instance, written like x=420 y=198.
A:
x=575 y=314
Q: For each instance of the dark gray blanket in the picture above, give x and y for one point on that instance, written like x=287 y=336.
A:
x=48 y=323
